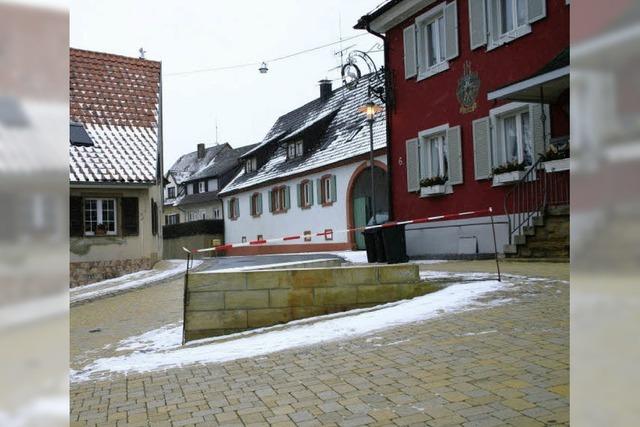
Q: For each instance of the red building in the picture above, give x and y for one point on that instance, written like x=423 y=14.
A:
x=479 y=89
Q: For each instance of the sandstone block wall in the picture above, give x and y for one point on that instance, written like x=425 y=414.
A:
x=227 y=302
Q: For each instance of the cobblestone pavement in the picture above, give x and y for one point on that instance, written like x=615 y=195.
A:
x=499 y=364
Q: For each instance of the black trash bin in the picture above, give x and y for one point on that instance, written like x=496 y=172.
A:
x=395 y=245
x=374 y=244
x=370 y=245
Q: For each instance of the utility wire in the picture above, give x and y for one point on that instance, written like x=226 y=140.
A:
x=253 y=64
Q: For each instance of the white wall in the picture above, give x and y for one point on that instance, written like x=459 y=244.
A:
x=296 y=220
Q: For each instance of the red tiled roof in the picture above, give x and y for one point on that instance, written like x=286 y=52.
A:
x=107 y=89
x=116 y=99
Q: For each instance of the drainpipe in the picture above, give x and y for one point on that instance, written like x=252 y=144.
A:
x=389 y=103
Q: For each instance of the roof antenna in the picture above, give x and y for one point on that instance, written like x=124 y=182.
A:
x=142 y=52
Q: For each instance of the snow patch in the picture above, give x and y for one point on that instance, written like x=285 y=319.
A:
x=454 y=298
x=129 y=281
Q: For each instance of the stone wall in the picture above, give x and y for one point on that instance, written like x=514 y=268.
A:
x=227 y=302
x=172 y=248
x=85 y=272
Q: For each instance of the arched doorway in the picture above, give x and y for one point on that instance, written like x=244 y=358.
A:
x=360 y=202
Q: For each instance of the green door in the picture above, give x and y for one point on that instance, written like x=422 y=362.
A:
x=360 y=215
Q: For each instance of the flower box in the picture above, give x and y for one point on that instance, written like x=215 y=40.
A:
x=508 y=177
x=433 y=190
x=557 y=165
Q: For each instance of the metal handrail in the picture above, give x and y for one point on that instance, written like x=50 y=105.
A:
x=529 y=199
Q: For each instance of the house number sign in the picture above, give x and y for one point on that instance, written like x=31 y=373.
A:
x=468 y=88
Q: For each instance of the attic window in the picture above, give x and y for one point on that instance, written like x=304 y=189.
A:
x=250 y=164
x=295 y=149
x=78 y=135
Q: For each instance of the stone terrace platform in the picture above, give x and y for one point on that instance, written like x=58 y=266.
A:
x=502 y=364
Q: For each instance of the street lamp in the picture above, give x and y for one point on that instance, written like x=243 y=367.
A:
x=371 y=109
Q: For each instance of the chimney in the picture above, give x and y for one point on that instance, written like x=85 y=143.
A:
x=200 y=151
x=325 y=89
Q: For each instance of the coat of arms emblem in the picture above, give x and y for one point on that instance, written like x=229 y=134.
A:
x=467 y=91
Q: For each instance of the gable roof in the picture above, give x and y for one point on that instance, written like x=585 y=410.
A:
x=189 y=164
x=337 y=136
x=117 y=100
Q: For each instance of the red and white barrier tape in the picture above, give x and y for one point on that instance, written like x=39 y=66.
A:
x=348 y=230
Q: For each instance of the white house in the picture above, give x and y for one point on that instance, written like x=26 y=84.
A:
x=309 y=176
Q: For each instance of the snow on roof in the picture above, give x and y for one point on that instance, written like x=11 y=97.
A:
x=217 y=160
x=341 y=139
x=116 y=99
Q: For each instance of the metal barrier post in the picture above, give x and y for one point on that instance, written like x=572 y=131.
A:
x=184 y=296
x=495 y=244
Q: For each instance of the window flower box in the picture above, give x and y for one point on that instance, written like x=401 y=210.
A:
x=556 y=165
x=433 y=190
x=507 y=178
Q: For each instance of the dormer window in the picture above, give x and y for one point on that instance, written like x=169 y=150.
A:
x=250 y=164
x=295 y=149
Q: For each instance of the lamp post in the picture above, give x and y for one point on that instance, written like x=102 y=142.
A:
x=371 y=109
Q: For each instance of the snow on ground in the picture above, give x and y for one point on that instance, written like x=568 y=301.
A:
x=151 y=356
x=130 y=281
x=277 y=265
x=452 y=275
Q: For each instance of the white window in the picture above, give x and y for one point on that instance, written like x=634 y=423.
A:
x=172 y=219
x=99 y=217
x=234 y=208
x=201 y=187
x=434 y=153
x=307 y=193
x=496 y=22
x=216 y=213
x=250 y=164
x=193 y=215
x=514 y=140
x=295 y=149
x=171 y=192
x=327 y=190
x=431 y=41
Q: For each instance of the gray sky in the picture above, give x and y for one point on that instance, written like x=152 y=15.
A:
x=195 y=35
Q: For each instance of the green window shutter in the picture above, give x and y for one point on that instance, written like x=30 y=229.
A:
x=477 y=23
x=299 y=188
x=259 y=201
x=454 y=144
x=334 y=194
x=130 y=216
x=451 y=29
x=482 y=148
x=287 y=197
x=310 y=184
x=410 y=56
x=413 y=165
x=270 y=201
x=229 y=209
x=537 y=9
x=537 y=130
x=76 y=225
x=319 y=185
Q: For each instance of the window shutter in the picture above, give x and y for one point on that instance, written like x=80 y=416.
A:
x=299 y=187
x=477 y=23
x=229 y=209
x=451 y=30
x=196 y=188
x=76 y=214
x=130 y=216
x=319 y=184
x=537 y=130
x=410 y=57
x=413 y=166
x=537 y=9
x=334 y=193
x=259 y=204
x=422 y=160
x=154 y=217
x=492 y=21
x=237 y=203
x=270 y=201
x=310 y=192
x=454 y=143
x=287 y=197
x=482 y=148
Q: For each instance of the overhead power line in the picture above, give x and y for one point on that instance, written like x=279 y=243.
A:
x=253 y=64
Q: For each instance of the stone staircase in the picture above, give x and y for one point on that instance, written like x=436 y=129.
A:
x=547 y=237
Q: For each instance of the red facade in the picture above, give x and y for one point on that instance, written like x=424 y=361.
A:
x=432 y=102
